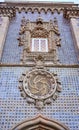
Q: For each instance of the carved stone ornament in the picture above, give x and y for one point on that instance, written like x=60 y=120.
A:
x=9 y=9
x=39 y=86
x=39 y=29
x=71 y=12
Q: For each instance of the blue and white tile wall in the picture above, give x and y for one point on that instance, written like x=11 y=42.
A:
x=66 y=53
x=14 y=109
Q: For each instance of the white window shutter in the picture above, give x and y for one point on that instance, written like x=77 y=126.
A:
x=39 y=45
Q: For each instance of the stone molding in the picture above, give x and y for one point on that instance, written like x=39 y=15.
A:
x=29 y=65
x=40 y=122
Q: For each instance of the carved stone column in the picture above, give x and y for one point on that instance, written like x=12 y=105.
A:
x=27 y=41
x=75 y=32
x=3 y=32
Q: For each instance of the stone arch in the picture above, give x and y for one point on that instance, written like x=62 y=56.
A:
x=40 y=123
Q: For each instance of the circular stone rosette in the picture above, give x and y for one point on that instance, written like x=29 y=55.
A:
x=40 y=86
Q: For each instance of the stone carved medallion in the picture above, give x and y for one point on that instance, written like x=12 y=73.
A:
x=39 y=86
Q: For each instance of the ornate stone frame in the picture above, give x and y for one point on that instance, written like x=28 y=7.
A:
x=39 y=29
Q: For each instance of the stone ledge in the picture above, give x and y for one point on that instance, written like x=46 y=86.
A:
x=28 y=65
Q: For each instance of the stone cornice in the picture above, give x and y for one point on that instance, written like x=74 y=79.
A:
x=40 y=3
x=68 y=9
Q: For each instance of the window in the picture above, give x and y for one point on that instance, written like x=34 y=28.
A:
x=39 y=45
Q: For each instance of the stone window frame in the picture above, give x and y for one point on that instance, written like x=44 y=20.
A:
x=39 y=29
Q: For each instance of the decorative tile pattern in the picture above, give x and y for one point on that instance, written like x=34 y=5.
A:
x=66 y=52
x=13 y=108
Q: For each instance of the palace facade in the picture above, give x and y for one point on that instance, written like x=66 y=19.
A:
x=39 y=66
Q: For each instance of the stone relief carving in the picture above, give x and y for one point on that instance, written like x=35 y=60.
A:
x=7 y=11
x=39 y=29
x=39 y=86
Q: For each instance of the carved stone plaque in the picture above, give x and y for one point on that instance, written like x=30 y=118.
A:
x=39 y=86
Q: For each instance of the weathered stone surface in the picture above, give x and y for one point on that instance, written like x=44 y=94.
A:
x=3 y=33
x=75 y=32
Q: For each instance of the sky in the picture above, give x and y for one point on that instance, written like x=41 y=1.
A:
x=75 y=1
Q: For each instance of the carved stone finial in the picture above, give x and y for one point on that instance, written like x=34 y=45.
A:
x=39 y=20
